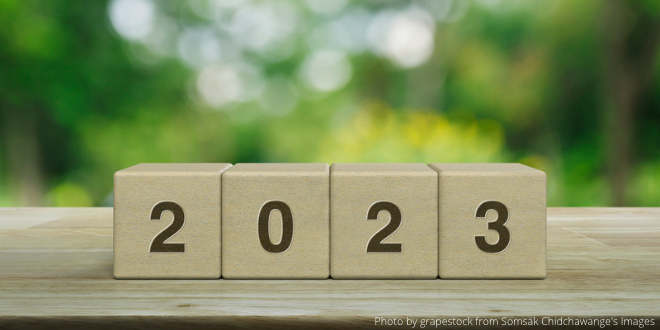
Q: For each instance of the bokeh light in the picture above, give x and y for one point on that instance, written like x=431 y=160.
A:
x=133 y=19
x=91 y=87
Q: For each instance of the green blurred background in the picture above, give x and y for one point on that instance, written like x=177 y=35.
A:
x=90 y=87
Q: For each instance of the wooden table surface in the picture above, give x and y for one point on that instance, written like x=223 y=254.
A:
x=56 y=269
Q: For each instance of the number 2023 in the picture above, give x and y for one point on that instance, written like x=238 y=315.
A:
x=375 y=244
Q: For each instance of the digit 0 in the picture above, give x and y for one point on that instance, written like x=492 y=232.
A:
x=497 y=225
x=287 y=227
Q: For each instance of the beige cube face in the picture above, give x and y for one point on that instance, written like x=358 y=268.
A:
x=492 y=221
x=275 y=221
x=167 y=221
x=383 y=221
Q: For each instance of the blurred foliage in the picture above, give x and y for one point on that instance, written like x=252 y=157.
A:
x=91 y=87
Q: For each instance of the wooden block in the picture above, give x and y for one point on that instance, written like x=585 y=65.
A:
x=275 y=221
x=167 y=221
x=383 y=221
x=492 y=221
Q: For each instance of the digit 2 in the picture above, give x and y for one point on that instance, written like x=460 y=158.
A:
x=497 y=225
x=287 y=227
x=376 y=242
x=158 y=244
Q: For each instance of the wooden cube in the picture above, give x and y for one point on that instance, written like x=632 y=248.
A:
x=275 y=221
x=492 y=221
x=383 y=221
x=167 y=221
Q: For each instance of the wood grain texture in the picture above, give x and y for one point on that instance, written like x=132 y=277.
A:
x=56 y=269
